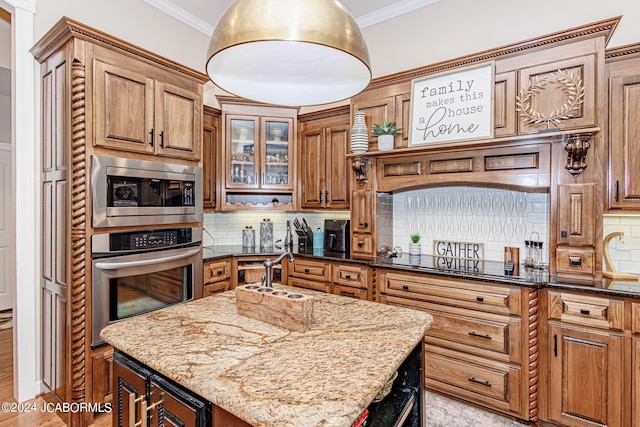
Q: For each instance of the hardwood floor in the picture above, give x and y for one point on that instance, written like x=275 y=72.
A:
x=40 y=417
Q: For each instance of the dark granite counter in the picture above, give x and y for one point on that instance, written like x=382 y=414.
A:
x=216 y=252
x=488 y=271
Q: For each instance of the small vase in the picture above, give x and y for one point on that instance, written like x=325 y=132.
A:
x=385 y=142
x=415 y=248
x=359 y=134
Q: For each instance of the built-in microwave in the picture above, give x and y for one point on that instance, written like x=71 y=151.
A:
x=130 y=192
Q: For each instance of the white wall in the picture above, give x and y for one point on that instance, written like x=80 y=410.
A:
x=449 y=29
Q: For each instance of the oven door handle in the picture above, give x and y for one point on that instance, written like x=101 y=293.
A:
x=111 y=265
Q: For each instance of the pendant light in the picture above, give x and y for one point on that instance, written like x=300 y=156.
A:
x=289 y=52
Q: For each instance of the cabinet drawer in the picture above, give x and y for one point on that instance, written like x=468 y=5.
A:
x=312 y=270
x=586 y=310
x=362 y=244
x=485 y=381
x=575 y=261
x=493 y=299
x=350 y=275
x=486 y=335
x=215 y=288
x=347 y=291
x=310 y=284
x=216 y=271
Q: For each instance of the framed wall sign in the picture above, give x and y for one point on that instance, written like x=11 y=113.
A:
x=452 y=106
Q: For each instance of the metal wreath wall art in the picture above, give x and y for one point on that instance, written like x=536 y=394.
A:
x=570 y=83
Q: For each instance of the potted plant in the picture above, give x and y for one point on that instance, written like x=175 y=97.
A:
x=415 y=247
x=385 y=133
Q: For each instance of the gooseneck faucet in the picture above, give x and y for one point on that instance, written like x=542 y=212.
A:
x=268 y=265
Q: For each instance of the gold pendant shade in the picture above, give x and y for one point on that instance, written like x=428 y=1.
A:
x=289 y=52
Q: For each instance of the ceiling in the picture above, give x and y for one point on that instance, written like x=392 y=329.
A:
x=204 y=14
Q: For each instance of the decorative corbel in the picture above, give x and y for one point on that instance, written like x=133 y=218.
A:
x=360 y=165
x=576 y=145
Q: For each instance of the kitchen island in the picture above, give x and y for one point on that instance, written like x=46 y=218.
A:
x=269 y=376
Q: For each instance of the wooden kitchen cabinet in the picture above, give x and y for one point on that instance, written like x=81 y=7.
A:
x=102 y=369
x=586 y=376
x=324 y=168
x=345 y=279
x=217 y=276
x=142 y=109
x=624 y=128
x=475 y=349
x=210 y=138
x=258 y=156
x=361 y=212
x=150 y=399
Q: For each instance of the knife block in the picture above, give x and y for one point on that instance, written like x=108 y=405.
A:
x=288 y=310
x=305 y=238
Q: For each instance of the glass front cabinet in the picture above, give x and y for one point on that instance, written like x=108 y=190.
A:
x=259 y=156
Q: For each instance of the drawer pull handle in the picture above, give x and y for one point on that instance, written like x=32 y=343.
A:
x=347 y=294
x=306 y=270
x=584 y=311
x=480 y=299
x=348 y=276
x=405 y=287
x=485 y=383
x=360 y=244
x=220 y=272
x=475 y=334
x=575 y=261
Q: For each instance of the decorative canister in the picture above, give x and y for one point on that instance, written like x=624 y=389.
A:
x=248 y=237
x=359 y=134
x=266 y=234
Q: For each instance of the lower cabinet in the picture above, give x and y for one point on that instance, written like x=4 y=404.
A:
x=146 y=398
x=348 y=280
x=586 y=377
x=102 y=363
x=217 y=276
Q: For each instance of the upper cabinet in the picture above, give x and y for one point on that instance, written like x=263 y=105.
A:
x=323 y=145
x=258 y=168
x=623 y=70
x=145 y=110
x=210 y=138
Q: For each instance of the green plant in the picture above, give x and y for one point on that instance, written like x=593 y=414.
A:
x=385 y=128
x=415 y=237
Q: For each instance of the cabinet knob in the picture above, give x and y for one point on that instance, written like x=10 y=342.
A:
x=360 y=244
x=306 y=270
x=575 y=261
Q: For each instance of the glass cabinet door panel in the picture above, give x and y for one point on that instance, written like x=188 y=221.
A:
x=278 y=144
x=243 y=152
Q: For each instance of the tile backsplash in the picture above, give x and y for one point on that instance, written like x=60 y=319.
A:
x=225 y=228
x=624 y=251
x=495 y=217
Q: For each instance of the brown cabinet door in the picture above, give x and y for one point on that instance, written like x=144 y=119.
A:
x=336 y=172
x=586 y=377
x=209 y=158
x=375 y=111
x=576 y=214
x=102 y=375
x=504 y=101
x=312 y=165
x=624 y=112
x=361 y=211
x=635 y=382
x=171 y=406
x=123 y=107
x=129 y=384
x=178 y=121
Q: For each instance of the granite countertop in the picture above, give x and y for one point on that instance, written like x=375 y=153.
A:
x=210 y=253
x=270 y=376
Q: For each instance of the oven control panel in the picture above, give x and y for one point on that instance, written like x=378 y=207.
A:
x=135 y=241
x=153 y=239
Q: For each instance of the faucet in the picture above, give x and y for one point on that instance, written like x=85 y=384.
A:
x=268 y=265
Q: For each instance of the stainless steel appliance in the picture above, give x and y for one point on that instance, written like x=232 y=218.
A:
x=336 y=235
x=136 y=272
x=139 y=192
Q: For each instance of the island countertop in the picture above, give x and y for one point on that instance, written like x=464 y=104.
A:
x=270 y=376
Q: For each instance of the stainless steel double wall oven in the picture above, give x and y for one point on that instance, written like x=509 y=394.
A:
x=157 y=260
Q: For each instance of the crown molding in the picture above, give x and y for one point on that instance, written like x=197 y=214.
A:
x=180 y=14
x=391 y=11
x=375 y=17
